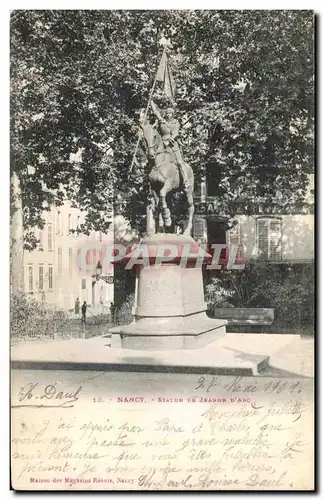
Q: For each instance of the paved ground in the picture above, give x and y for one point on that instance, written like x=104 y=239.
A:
x=95 y=325
x=287 y=353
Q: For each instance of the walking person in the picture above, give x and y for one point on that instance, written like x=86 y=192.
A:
x=84 y=312
x=112 y=312
x=77 y=307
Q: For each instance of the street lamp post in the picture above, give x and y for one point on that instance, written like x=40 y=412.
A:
x=109 y=278
x=98 y=276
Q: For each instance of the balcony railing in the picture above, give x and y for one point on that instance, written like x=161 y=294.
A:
x=214 y=206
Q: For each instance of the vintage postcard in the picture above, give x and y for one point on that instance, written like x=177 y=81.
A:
x=162 y=250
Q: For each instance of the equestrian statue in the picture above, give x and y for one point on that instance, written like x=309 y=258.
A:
x=169 y=172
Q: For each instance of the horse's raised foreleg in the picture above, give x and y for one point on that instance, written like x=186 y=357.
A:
x=165 y=209
x=150 y=221
x=191 y=211
x=158 y=219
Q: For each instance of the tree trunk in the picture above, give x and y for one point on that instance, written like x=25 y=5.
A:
x=17 y=237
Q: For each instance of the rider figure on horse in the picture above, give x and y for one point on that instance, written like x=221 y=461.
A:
x=169 y=129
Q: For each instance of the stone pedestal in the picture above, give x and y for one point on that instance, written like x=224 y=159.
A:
x=170 y=311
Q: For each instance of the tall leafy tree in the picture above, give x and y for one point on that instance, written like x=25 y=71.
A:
x=79 y=79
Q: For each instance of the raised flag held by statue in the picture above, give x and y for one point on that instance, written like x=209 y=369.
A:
x=164 y=74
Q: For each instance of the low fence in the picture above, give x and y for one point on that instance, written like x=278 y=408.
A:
x=242 y=320
x=71 y=327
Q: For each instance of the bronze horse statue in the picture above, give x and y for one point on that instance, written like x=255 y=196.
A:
x=164 y=178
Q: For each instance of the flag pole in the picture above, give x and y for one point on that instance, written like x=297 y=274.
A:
x=145 y=115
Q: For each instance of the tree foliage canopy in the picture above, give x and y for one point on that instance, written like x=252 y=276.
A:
x=79 y=79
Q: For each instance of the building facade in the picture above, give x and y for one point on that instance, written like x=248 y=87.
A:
x=264 y=233
x=62 y=267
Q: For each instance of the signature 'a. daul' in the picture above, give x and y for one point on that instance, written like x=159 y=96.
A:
x=35 y=395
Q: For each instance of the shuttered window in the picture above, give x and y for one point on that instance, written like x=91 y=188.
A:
x=199 y=230
x=50 y=277
x=30 y=279
x=268 y=234
x=50 y=237
x=41 y=277
x=40 y=235
x=235 y=235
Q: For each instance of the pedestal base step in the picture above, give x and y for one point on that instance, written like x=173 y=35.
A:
x=233 y=354
x=133 y=336
x=163 y=343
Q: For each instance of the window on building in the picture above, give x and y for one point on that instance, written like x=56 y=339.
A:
x=213 y=176
x=59 y=261
x=40 y=237
x=58 y=222
x=95 y=259
x=41 y=277
x=268 y=234
x=70 y=222
x=78 y=221
x=50 y=237
x=84 y=284
x=216 y=232
x=70 y=260
x=235 y=235
x=50 y=277
x=235 y=240
x=203 y=187
x=79 y=259
x=200 y=230
x=30 y=279
x=217 y=235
